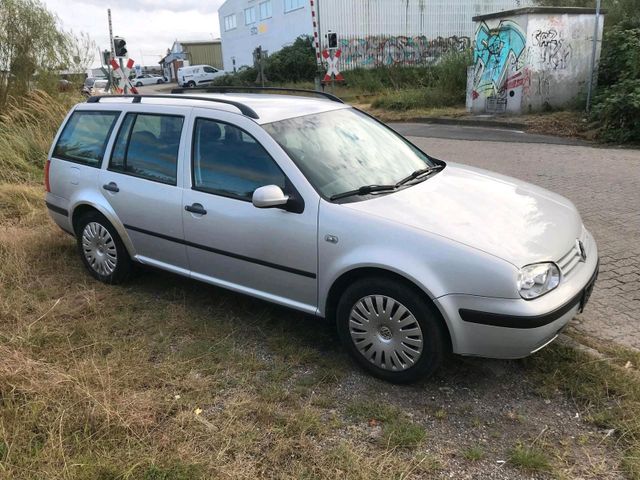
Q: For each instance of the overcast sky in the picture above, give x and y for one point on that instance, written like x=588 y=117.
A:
x=149 y=26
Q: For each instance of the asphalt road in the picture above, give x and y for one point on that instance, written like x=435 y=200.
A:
x=604 y=184
x=457 y=132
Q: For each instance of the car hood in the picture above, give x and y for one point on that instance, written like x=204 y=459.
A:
x=505 y=217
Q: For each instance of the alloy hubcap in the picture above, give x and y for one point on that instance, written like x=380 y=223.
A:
x=99 y=249
x=385 y=332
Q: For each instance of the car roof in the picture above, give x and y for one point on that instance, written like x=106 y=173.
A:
x=268 y=107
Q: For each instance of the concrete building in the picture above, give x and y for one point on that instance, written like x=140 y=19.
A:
x=184 y=53
x=532 y=59
x=370 y=33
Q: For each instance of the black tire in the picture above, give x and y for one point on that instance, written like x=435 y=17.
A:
x=435 y=344
x=123 y=262
x=191 y=84
x=139 y=84
x=159 y=81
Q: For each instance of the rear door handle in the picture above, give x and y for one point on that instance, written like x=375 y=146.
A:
x=111 y=186
x=196 y=208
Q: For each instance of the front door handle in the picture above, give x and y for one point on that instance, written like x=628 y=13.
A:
x=111 y=186
x=196 y=208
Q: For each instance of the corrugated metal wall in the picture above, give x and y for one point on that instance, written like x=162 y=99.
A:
x=204 y=53
x=402 y=32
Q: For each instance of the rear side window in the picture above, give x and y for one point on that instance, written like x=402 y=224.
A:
x=85 y=137
x=147 y=147
x=228 y=161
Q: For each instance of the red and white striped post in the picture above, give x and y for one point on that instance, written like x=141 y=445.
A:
x=316 y=32
x=124 y=76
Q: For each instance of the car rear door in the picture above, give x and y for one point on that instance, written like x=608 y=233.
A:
x=267 y=252
x=143 y=185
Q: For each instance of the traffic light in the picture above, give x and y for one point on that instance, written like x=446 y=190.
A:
x=332 y=39
x=120 y=46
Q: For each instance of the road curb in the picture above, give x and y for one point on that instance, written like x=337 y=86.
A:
x=466 y=122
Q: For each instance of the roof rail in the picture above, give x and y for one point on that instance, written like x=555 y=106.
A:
x=244 y=109
x=257 y=89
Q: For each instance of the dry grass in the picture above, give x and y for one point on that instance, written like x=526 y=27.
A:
x=27 y=127
x=143 y=381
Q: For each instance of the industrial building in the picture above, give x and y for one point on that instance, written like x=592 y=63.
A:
x=370 y=33
x=184 y=53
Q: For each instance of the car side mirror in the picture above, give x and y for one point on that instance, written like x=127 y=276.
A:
x=269 y=196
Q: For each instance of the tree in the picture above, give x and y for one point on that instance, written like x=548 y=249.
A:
x=31 y=42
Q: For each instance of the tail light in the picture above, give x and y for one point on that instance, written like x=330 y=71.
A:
x=47 y=186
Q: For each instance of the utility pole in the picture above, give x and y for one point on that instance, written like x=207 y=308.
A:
x=593 y=56
x=110 y=48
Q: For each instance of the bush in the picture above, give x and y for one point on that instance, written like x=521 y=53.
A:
x=617 y=103
x=618 y=109
x=293 y=63
x=442 y=85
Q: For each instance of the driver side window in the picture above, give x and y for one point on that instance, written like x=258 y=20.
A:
x=228 y=161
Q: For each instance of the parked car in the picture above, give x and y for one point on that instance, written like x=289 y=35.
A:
x=314 y=205
x=64 y=85
x=100 y=87
x=147 y=79
x=196 y=75
x=95 y=86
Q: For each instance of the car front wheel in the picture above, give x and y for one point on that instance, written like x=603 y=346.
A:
x=391 y=329
x=191 y=84
x=102 y=250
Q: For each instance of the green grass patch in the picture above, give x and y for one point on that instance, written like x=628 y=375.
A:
x=473 y=453
x=402 y=433
x=529 y=458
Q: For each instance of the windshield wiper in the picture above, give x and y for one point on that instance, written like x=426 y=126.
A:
x=364 y=190
x=367 y=189
x=419 y=173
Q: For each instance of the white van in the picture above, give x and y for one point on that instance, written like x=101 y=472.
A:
x=197 y=75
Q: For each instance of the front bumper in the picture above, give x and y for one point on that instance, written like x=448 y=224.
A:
x=515 y=328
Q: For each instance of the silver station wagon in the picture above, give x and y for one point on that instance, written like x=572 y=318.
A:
x=307 y=202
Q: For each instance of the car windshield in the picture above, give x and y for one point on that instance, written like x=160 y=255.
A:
x=345 y=149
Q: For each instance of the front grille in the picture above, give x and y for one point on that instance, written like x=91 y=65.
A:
x=569 y=261
x=572 y=258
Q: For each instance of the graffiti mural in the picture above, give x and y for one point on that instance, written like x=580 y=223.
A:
x=376 y=51
x=555 y=52
x=499 y=62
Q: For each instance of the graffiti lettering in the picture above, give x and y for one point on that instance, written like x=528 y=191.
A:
x=497 y=54
x=376 y=51
x=555 y=52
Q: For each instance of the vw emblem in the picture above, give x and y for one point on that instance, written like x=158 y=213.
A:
x=581 y=250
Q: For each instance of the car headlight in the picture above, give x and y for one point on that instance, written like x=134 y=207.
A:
x=538 y=279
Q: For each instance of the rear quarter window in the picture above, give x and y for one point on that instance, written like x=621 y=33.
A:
x=85 y=137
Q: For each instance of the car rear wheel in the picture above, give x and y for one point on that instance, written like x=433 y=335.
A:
x=391 y=329
x=138 y=84
x=102 y=250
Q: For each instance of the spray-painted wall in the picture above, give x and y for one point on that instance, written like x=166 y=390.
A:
x=374 y=33
x=370 y=33
x=532 y=59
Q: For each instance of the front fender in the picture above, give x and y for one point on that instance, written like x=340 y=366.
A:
x=437 y=265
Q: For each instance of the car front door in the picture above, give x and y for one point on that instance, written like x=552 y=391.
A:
x=267 y=252
x=142 y=183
